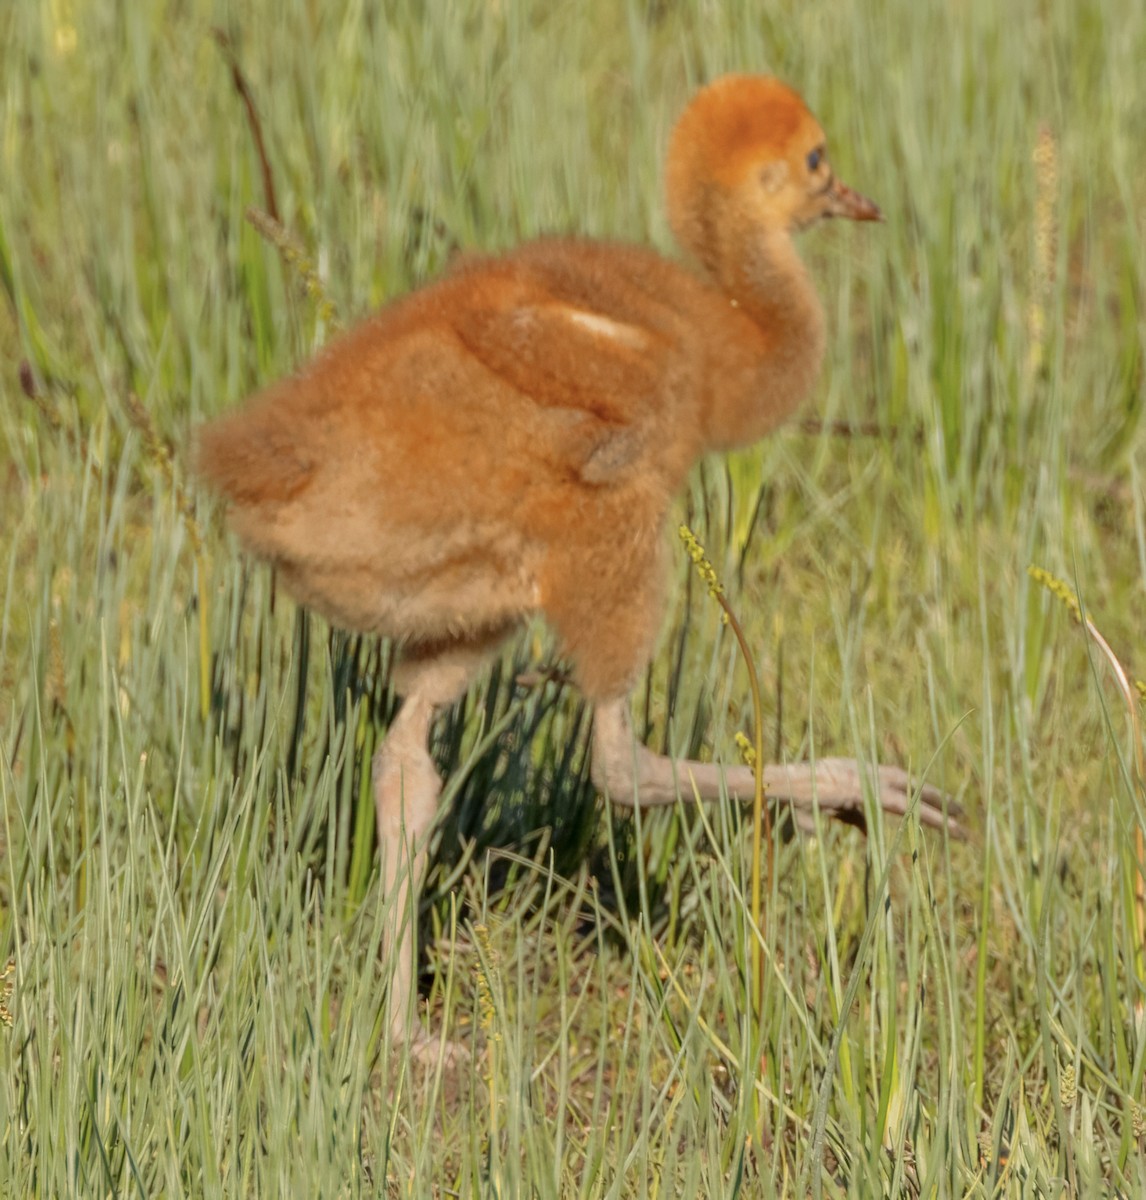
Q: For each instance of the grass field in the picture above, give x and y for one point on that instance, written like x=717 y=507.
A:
x=187 y=880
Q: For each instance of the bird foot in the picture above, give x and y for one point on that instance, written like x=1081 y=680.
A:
x=633 y=775
x=429 y=1050
x=836 y=787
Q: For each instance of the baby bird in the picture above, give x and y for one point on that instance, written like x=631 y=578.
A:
x=507 y=441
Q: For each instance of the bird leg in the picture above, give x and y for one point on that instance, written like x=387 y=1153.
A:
x=407 y=786
x=406 y=789
x=633 y=775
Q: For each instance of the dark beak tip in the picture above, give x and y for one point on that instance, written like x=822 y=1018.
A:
x=852 y=205
x=863 y=209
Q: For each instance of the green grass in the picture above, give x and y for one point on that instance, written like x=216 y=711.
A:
x=198 y=1002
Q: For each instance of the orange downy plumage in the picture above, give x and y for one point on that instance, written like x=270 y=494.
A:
x=456 y=461
x=508 y=440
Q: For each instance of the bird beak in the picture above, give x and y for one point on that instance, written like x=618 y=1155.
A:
x=843 y=202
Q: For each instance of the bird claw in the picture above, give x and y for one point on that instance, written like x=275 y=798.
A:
x=836 y=786
x=428 y=1050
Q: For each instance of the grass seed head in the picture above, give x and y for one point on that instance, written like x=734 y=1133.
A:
x=704 y=567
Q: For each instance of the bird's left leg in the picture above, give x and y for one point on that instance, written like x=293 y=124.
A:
x=406 y=790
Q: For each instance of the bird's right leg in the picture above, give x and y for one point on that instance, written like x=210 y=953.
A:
x=633 y=775
x=607 y=623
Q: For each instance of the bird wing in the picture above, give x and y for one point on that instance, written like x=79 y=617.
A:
x=595 y=352
x=534 y=349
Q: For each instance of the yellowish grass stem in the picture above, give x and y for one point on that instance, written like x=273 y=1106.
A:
x=753 y=755
x=1131 y=693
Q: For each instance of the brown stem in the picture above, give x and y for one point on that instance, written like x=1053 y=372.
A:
x=241 y=86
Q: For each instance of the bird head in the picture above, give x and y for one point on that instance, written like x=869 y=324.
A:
x=747 y=156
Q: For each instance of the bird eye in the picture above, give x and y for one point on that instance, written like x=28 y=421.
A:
x=814 y=158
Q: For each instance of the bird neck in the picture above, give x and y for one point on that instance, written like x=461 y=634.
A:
x=771 y=356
